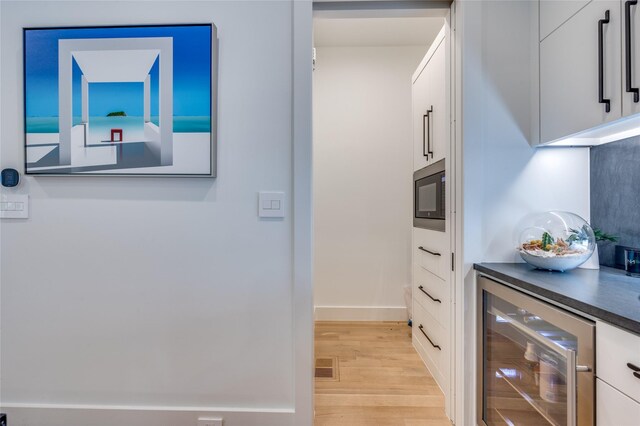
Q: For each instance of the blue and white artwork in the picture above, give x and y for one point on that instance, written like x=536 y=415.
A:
x=134 y=100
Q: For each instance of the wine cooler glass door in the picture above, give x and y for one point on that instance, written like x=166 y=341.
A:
x=529 y=356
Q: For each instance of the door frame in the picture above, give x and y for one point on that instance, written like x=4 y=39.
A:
x=302 y=206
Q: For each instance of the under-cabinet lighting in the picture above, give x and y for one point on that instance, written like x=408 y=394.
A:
x=610 y=132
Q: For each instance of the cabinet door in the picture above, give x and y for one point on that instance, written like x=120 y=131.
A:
x=554 y=13
x=420 y=95
x=569 y=72
x=613 y=408
x=631 y=57
x=621 y=349
x=437 y=91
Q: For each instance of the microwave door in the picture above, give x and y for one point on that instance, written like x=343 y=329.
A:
x=428 y=200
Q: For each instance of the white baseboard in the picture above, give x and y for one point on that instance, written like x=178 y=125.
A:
x=361 y=313
x=67 y=415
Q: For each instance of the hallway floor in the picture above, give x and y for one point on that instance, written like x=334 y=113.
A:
x=367 y=373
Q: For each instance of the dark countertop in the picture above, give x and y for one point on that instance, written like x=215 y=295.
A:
x=607 y=294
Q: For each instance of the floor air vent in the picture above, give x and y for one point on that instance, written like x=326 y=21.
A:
x=327 y=369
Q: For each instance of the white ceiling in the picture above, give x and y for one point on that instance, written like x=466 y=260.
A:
x=404 y=31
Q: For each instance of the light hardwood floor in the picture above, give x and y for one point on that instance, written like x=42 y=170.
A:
x=380 y=381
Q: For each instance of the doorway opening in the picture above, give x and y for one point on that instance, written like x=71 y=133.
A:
x=370 y=369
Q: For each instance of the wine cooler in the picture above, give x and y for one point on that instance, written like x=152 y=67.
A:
x=535 y=361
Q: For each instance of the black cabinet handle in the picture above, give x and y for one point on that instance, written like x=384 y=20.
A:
x=425 y=133
x=430 y=341
x=429 y=251
x=627 y=36
x=428 y=295
x=429 y=112
x=601 y=98
x=636 y=375
x=633 y=367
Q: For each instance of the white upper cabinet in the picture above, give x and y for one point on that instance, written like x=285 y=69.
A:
x=431 y=114
x=580 y=69
x=554 y=13
x=436 y=69
x=630 y=12
x=420 y=96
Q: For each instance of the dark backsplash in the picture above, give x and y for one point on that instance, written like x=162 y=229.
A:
x=615 y=194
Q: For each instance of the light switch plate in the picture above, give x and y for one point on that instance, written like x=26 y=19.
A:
x=209 y=422
x=14 y=206
x=271 y=204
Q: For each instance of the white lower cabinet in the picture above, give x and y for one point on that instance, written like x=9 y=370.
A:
x=618 y=376
x=613 y=408
x=432 y=294
x=432 y=308
x=431 y=340
x=618 y=359
x=432 y=251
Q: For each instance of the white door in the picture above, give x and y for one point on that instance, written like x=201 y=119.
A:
x=420 y=121
x=631 y=57
x=570 y=81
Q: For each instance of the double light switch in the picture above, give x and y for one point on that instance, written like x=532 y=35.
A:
x=271 y=204
x=14 y=206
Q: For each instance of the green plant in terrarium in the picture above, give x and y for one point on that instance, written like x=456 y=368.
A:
x=547 y=240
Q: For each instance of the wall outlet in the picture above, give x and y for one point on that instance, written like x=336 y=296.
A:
x=209 y=422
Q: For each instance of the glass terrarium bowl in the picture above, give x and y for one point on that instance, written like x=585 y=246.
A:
x=557 y=241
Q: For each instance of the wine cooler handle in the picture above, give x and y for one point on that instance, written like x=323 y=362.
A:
x=572 y=383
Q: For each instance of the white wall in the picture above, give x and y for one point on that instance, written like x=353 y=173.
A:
x=505 y=180
x=363 y=167
x=150 y=293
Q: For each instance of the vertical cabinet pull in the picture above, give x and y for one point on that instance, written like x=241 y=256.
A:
x=601 y=98
x=421 y=327
x=425 y=133
x=429 y=112
x=628 y=58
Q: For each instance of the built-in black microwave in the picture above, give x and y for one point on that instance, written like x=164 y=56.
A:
x=429 y=197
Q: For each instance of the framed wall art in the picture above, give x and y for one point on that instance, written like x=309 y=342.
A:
x=120 y=100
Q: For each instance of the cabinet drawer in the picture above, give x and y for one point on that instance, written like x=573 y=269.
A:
x=615 y=349
x=613 y=408
x=431 y=336
x=431 y=251
x=426 y=288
